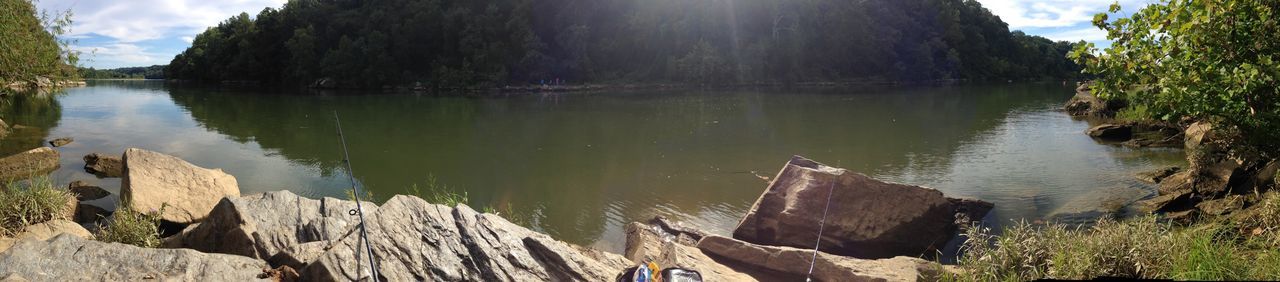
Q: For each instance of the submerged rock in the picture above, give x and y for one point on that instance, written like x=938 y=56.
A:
x=867 y=219
x=33 y=162
x=827 y=267
x=67 y=257
x=61 y=141
x=85 y=192
x=412 y=240
x=187 y=192
x=103 y=166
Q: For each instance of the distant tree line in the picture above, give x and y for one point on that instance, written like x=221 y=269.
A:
x=469 y=43
x=151 y=72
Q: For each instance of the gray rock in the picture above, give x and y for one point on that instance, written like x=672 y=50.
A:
x=70 y=258
x=186 y=192
x=44 y=231
x=85 y=192
x=22 y=165
x=412 y=240
x=103 y=166
x=827 y=267
x=1157 y=175
x=1111 y=132
x=1198 y=134
x=61 y=141
x=1222 y=206
x=867 y=219
x=651 y=243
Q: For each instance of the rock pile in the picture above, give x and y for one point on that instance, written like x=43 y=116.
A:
x=1222 y=176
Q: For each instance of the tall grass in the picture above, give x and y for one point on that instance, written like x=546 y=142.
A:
x=28 y=202
x=131 y=227
x=438 y=193
x=1143 y=247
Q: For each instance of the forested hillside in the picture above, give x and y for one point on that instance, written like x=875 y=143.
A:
x=27 y=49
x=469 y=43
x=149 y=72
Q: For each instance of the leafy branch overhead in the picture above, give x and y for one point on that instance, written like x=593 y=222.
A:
x=1198 y=59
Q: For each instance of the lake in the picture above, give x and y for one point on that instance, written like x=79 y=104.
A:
x=582 y=165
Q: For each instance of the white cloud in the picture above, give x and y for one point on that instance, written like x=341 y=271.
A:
x=120 y=54
x=1053 y=13
x=141 y=20
x=1088 y=33
x=188 y=39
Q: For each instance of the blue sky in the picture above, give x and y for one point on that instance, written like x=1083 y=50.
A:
x=115 y=34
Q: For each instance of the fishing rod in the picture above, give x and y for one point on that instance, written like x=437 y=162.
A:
x=355 y=192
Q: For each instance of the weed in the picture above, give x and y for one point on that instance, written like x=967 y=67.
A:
x=28 y=202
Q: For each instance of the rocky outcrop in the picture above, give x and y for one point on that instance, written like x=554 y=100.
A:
x=652 y=243
x=67 y=258
x=187 y=192
x=103 y=166
x=44 y=231
x=827 y=267
x=61 y=141
x=1085 y=104
x=1157 y=175
x=867 y=219
x=85 y=192
x=33 y=162
x=1111 y=132
x=412 y=240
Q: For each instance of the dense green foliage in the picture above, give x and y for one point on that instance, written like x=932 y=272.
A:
x=151 y=72
x=1200 y=59
x=455 y=43
x=28 y=45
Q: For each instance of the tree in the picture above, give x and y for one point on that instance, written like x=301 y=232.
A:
x=1200 y=59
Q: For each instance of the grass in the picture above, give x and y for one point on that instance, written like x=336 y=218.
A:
x=1144 y=247
x=34 y=201
x=438 y=193
x=131 y=227
x=1135 y=113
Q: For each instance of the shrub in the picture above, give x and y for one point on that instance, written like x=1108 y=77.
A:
x=28 y=202
x=131 y=227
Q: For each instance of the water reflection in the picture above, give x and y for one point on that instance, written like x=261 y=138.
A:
x=585 y=164
x=31 y=115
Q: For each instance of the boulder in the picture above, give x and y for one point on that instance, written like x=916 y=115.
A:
x=33 y=162
x=1198 y=134
x=61 y=141
x=103 y=166
x=651 y=243
x=44 y=231
x=412 y=240
x=1085 y=104
x=1221 y=206
x=187 y=192
x=85 y=192
x=1111 y=132
x=867 y=218
x=75 y=258
x=1156 y=175
x=4 y=129
x=826 y=267
x=1179 y=200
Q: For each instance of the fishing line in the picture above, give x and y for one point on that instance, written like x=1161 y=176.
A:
x=821 y=224
x=355 y=192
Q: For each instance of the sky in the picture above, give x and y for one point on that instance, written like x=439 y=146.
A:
x=114 y=34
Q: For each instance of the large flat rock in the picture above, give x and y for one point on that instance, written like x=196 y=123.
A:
x=868 y=218
x=30 y=163
x=412 y=240
x=187 y=192
x=827 y=267
x=70 y=258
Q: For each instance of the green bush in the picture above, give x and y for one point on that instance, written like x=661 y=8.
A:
x=1144 y=247
x=28 y=202
x=1199 y=59
x=31 y=47
x=131 y=227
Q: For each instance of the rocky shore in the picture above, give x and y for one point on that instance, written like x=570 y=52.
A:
x=875 y=231
x=1224 y=176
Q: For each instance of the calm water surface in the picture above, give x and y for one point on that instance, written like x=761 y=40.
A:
x=583 y=165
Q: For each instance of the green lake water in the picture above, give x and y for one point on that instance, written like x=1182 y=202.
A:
x=582 y=165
